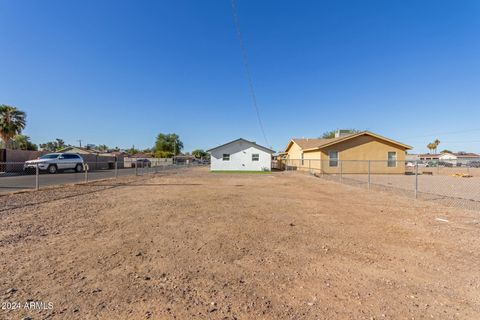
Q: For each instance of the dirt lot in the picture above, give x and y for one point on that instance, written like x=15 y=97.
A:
x=236 y=246
x=441 y=185
x=446 y=171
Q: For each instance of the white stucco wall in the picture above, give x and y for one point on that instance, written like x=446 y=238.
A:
x=448 y=156
x=240 y=158
x=454 y=159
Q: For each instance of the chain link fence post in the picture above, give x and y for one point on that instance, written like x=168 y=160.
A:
x=116 y=169
x=86 y=173
x=416 y=180
x=136 y=167
x=341 y=170
x=37 y=173
x=369 y=174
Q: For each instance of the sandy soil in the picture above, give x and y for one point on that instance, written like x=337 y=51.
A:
x=447 y=186
x=231 y=246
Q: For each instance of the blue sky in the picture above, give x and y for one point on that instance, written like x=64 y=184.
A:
x=119 y=72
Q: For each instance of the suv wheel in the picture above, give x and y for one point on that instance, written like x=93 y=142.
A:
x=78 y=167
x=52 y=168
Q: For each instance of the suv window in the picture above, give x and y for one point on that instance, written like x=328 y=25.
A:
x=70 y=156
x=50 y=156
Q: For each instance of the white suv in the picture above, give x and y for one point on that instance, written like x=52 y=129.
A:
x=54 y=162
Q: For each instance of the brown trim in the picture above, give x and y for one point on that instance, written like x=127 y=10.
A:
x=406 y=147
x=289 y=145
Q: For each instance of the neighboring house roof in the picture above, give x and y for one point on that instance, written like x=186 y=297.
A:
x=315 y=144
x=243 y=140
x=79 y=150
x=463 y=155
x=430 y=155
x=309 y=143
x=142 y=155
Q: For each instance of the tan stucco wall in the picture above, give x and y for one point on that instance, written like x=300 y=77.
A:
x=365 y=148
x=295 y=152
x=311 y=159
x=361 y=149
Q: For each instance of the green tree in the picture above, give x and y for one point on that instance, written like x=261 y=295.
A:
x=168 y=143
x=23 y=142
x=331 y=134
x=53 y=146
x=446 y=151
x=102 y=147
x=132 y=151
x=12 y=122
x=199 y=153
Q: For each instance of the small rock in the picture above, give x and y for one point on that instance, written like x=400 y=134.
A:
x=292 y=225
x=138 y=254
x=96 y=290
x=11 y=290
x=146 y=278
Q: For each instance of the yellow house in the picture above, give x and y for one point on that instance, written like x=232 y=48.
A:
x=360 y=152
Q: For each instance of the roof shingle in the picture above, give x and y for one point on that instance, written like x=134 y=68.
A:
x=309 y=143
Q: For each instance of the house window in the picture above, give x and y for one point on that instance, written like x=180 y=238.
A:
x=226 y=157
x=333 y=158
x=255 y=156
x=392 y=159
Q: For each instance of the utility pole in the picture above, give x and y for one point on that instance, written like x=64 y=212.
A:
x=80 y=142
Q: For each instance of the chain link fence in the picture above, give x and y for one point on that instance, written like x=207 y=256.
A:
x=447 y=183
x=16 y=176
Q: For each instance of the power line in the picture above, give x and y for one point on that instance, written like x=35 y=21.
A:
x=247 y=69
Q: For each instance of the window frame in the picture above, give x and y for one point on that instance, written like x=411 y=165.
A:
x=392 y=161
x=226 y=157
x=257 y=156
x=336 y=160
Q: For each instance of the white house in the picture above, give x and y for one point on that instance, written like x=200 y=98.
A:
x=459 y=158
x=240 y=155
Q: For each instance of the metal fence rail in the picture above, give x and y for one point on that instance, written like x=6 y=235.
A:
x=446 y=183
x=15 y=176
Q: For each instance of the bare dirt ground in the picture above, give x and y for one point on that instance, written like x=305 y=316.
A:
x=446 y=186
x=447 y=171
x=236 y=246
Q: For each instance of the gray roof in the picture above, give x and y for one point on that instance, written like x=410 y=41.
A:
x=241 y=139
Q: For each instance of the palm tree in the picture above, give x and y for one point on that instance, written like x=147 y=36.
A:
x=12 y=122
x=436 y=142
x=431 y=146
